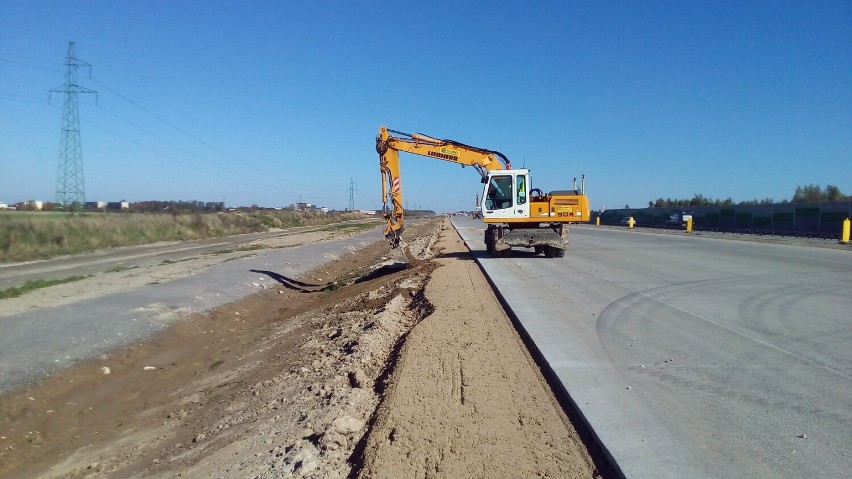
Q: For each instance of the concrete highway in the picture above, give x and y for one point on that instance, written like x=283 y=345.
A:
x=694 y=357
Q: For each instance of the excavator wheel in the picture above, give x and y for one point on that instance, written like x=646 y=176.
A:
x=539 y=249
x=560 y=252
x=492 y=235
x=549 y=252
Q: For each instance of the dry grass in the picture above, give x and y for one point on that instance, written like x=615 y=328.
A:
x=31 y=236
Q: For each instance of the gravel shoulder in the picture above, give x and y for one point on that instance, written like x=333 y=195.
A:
x=465 y=398
x=378 y=372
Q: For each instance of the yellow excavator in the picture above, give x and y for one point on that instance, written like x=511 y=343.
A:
x=516 y=214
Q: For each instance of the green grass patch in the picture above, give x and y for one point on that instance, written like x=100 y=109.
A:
x=233 y=259
x=41 y=235
x=14 y=292
x=119 y=268
x=253 y=247
x=349 y=227
x=173 y=261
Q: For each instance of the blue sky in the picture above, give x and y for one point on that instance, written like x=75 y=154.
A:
x=269 y=102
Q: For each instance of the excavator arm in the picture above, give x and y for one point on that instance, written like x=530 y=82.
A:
x=390 y=142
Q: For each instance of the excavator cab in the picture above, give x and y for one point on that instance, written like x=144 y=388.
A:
x=506 y=195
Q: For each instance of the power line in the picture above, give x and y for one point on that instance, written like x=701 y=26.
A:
x=188 y=152
x=25 y=99
x=200 y=140
x=252 y=183
x=37 y=67
x=42 y=98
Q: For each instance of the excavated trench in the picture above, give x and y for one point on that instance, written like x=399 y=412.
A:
x=288 y=380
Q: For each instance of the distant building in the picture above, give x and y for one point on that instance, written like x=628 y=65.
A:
x=311 y=207
x=30 y=205
x=367 y=212
x=4 y=206
x=118 y=205
x=95 y=205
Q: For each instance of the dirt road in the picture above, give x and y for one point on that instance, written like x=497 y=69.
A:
x=414 y=373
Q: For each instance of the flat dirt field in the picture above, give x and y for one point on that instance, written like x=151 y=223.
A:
x=372 y=372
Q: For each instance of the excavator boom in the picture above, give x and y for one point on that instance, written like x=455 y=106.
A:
x=390 y=142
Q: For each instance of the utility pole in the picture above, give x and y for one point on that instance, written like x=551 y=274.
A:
x=70 y=189
x=352 y=189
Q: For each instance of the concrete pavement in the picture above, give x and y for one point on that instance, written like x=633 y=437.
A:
x=693 y=357
x=36 y=343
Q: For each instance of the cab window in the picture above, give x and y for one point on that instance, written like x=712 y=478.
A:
x=522 y=190
x=499 y=194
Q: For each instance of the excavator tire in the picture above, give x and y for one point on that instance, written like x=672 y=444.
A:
x=560 y=252
x=549 y=252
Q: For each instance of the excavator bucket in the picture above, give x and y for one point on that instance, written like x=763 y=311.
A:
x=399 y=260
x=398 y=256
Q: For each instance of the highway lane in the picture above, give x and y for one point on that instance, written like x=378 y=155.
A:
x=36 y=343
x=17 y=274
x=694 y=357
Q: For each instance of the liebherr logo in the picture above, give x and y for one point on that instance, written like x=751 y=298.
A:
x=446 y=154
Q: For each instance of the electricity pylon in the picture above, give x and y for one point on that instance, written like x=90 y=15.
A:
x=351 y=191
x=70 y=188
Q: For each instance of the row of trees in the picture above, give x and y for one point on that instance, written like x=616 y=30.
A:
x=177 y=206
x=803 y=194
x=815 y=194
x=137 y=207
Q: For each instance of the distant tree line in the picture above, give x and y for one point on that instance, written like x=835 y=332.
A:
x=803 y=194
x=419 y=213
x=813 y=194
x=176 y=207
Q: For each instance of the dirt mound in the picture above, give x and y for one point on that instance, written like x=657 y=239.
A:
x=465 y=398
x=312 y=415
